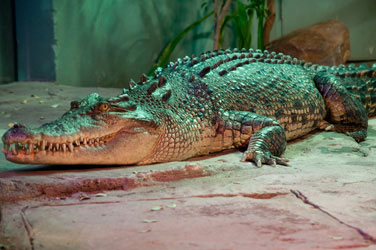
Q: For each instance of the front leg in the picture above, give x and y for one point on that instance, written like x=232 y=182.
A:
x=264 y=137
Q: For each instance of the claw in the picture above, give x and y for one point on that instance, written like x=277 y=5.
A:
x=273 y=163
x=357 y=135
x=244 y=158
x=259 y=158
x=282 y=161
x=259 y=163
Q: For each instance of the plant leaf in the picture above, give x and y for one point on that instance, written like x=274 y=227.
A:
x=167 y=51
x=260 y=11
x=223 y=25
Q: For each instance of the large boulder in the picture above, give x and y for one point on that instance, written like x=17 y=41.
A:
x=326 y=43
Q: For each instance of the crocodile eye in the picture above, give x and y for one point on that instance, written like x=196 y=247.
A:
x=74 y=105
x=103 y=107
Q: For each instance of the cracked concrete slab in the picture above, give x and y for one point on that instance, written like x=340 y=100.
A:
x=325 y=199
x=282 y=222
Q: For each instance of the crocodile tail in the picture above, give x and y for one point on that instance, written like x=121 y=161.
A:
x=360 y=82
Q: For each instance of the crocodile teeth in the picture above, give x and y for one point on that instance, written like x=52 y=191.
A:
x=43 y=145
x=96 y=142
x=70 y=146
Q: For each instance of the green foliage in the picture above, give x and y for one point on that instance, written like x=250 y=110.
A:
x=261 y=13
x=241 y=17
x=242 y=20
x=167 y=51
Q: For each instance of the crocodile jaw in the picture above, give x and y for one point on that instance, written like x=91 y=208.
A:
x=126 y=146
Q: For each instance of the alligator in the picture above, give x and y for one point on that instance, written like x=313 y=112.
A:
x=251 y=99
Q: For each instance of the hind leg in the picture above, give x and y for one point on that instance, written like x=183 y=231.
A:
x=345 y=112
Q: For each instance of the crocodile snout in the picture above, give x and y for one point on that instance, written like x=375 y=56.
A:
x=17 y=133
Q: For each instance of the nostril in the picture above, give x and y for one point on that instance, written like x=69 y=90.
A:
x=17 y=132
x=18 y=126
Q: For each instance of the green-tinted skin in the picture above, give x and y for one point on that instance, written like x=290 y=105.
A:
x=198 y=105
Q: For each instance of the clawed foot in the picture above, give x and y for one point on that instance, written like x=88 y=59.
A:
x=358 y=135
x=259 y=158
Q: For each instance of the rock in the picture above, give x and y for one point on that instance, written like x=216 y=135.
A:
x=326 y=43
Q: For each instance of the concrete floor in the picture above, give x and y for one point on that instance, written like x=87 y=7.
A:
x=326 y=199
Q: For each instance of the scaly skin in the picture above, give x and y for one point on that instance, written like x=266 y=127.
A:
x=199 y=105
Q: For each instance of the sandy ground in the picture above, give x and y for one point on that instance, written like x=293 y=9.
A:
x=326 y=199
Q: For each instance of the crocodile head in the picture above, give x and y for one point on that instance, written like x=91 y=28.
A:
x=95 y=130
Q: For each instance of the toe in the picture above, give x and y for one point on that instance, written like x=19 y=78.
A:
x=260 y=158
